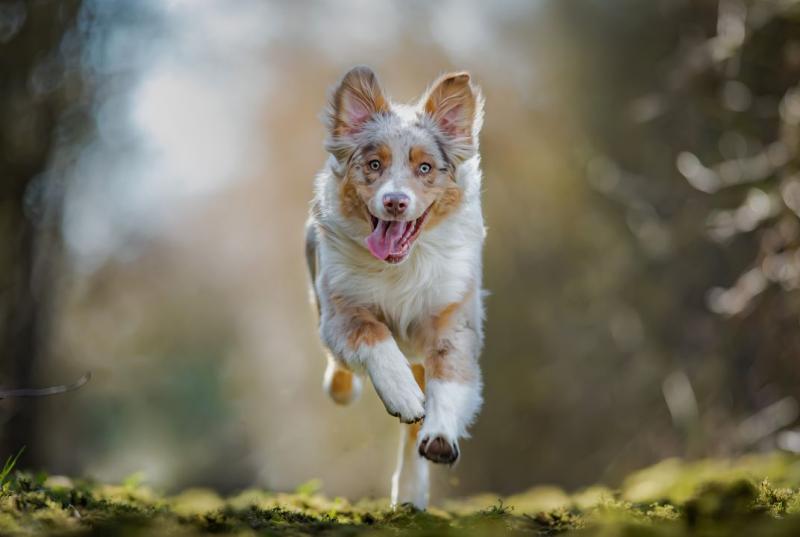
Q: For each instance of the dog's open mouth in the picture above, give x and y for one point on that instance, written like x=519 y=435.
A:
x=391 y=240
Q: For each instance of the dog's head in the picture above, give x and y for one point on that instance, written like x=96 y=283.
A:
x=396 y=164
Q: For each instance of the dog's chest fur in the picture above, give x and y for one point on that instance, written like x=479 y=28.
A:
x=410 y=293
x=443 y=268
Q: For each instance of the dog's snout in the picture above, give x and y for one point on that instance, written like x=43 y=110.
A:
x=395 y=203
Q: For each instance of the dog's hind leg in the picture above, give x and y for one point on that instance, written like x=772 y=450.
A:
x=341 y=384
x=410 y=481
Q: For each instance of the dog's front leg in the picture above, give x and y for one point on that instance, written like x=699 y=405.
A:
x=356 y=337
x=452 y=385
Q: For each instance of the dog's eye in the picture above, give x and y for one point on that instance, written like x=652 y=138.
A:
x=424 y=168
x=375 y=164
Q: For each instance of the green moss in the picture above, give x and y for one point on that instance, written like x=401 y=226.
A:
x=749 y=496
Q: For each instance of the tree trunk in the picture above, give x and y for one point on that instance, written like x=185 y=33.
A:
x=28 y=115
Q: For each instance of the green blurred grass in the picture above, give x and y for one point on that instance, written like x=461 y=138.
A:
x=755 y=495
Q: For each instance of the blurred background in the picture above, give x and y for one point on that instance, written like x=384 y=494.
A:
x=642 y=193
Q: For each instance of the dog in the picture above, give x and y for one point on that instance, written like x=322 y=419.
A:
x=394 y=243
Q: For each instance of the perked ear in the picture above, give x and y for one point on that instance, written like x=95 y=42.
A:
x=355 y=100
x=456 y=107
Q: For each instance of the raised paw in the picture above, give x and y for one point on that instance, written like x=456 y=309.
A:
x=408 y=407
x=408 y=418
x=398 y=390
x=438 y=449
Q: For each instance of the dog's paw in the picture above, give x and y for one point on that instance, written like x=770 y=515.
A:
x=406 y=403
x=400 y=393
x=438 y=449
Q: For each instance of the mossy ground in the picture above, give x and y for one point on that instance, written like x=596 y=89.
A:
x=757 y=495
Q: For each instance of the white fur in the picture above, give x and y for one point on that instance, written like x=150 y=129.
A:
x=411 y=479
x=393 y=380
x=450 y=407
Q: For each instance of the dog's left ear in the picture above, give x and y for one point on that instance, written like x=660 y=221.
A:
x=456 y=107
x=355 y=100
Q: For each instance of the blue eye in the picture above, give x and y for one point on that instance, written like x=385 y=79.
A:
x=375 y=164
x=424 y=168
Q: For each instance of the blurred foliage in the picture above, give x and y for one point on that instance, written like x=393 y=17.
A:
x=617 y=297
x=710 y=97
x=754 y=496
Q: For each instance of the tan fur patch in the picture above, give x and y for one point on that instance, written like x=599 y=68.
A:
x=448 y=202
x=363 y=328
x=425 y=335
x=443 y=362
x=413 y=432
x=419 y=376
x=353 y=191
x=442 y=320
x=352 y=205
x=341 y=384
x=384 y=153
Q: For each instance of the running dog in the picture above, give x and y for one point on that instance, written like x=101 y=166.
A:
x=393 y=245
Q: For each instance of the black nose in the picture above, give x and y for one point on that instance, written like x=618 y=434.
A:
x=395 y=203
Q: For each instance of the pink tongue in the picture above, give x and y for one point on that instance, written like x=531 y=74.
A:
x=385 y=239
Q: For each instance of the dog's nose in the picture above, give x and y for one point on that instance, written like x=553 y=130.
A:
x=395 y=203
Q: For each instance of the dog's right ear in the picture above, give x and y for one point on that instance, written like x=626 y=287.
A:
x=356 y=99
